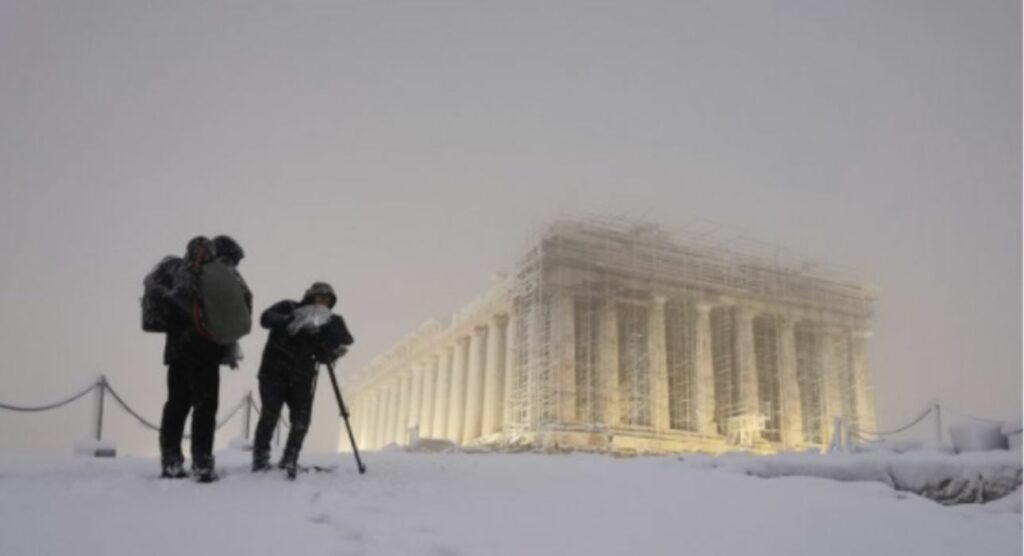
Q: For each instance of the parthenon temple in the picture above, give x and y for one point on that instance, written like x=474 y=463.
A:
x=616 y=335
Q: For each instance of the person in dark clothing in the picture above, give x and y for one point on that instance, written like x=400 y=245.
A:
x=302 y=335
x=193 y=361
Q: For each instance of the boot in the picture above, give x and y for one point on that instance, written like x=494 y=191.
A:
x=260 y=462
x=173 y=470
x=203 y=470
x=290 y=464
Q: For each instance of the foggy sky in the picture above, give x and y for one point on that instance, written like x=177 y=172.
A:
x=404 y=152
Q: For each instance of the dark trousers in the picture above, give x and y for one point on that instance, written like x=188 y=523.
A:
x=191 y=385
x=296 y=390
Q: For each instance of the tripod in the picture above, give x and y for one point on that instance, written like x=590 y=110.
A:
x=344 y=415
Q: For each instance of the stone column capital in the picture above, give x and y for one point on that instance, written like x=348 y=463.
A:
x=745 y=313
x=861 y=334
x=500 y=320
x=704 y=306
x=832 y=329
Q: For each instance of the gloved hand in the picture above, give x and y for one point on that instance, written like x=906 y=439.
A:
x=308 y=319
x=232 y=355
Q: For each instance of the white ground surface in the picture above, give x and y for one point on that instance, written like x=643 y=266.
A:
x=478 y=504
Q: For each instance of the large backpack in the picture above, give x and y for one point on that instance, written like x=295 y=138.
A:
x=223 y=308
x=158 y=288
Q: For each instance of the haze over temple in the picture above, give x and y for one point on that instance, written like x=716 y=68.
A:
x=615 y=335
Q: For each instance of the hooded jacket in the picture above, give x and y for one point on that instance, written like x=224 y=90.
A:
x=285 y=354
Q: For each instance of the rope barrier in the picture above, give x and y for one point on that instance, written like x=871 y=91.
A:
x=901 y=429
x=220 y=423
x=248 y=400
x=49 y=406
x=280 y=420
x=131 y=411
x=224 y=420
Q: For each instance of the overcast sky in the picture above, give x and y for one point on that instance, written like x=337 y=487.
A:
x=405 y=151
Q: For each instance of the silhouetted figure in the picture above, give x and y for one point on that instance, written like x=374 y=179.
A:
x=302 y=335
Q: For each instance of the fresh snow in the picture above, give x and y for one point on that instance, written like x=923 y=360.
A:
x=482 y=504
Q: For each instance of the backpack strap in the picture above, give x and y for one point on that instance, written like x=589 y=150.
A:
x=197 y=320
x=197 y=309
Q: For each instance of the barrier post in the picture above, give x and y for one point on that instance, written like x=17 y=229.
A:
x=96 y=446
x=246 y=423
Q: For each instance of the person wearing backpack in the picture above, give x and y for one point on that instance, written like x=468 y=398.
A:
x=173 y=303
x=302 y=335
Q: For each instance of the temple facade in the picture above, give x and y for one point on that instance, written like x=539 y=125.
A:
x=622 y=337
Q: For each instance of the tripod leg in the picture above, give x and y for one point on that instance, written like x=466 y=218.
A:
x=344 y=416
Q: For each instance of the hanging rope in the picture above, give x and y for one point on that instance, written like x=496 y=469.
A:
x=49 y=406
x=901 y=429
x=224 y=420
x=220 y=423
x=131 y=411
x=255 y=407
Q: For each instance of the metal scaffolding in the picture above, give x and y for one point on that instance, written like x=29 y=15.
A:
x=586 y=353
x=632 y=336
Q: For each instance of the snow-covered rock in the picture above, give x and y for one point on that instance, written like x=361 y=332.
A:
x=977 y=437
x=946 y=478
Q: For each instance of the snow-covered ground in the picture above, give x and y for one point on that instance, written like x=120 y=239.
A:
x=481 y=504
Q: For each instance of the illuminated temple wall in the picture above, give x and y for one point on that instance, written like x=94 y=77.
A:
x=625 y=338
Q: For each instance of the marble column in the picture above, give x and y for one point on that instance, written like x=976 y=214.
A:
x=832 y=401
x=427 y=398
x=609 y=361
x=358 y=420
x=660 y=416
x=370 y=413
x=789 y=386
x=746 y=360
x=402 y=420
x=865 y=396
x=442 y=394
x=416 y=397
x=704 y=371
x=508 y=415
x=494 y=377
x=566 y=338
x=457 y=401
x=390 y=415
x=373 y=442
x=473 y=424
x=373 y=409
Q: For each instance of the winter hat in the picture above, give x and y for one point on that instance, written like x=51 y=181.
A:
x=227 y=247
x=198 y=250
x=320 y=288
